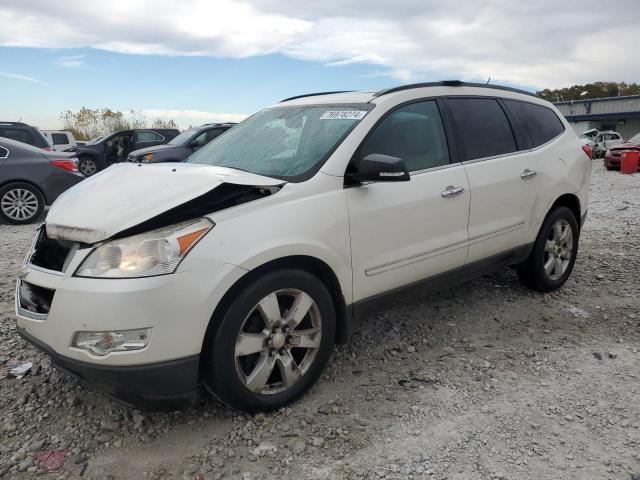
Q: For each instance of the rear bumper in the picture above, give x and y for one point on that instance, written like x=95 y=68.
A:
x=611 y=161
x=156 y=386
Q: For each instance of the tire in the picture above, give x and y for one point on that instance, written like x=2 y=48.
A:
x=563 y=249
x=609 y=168
x=233 y=369
x=20 y=203
x=88 y=166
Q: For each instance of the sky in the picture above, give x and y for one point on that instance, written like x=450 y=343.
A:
x=199 y=61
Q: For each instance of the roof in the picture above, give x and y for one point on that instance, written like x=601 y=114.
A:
x=347 y=96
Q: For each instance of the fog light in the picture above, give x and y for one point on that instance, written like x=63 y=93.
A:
x=103 y=343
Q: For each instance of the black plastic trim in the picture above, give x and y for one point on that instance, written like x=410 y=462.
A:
x=155 y=386
x=440 y=282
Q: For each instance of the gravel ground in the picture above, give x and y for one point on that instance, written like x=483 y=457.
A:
x=489 y=380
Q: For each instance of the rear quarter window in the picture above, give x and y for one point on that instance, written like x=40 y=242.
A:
x=4 y=153
x=536 y=124
x=482 y=126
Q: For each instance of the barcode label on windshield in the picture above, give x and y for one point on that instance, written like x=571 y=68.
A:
x=343 y=115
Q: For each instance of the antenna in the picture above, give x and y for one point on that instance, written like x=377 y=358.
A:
x=488 y=80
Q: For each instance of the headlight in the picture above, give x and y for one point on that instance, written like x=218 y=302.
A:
x=158 y=252
x=148 y=157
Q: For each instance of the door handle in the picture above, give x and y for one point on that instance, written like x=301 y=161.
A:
x=528 y=174
x=451 y=191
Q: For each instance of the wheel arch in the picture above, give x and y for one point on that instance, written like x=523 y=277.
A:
x=309 y=264
x=572 y=202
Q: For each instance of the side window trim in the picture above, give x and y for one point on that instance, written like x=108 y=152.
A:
x=518 y=136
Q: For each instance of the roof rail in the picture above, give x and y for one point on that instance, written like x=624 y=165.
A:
x=450 y=83
x=14 y=123
x=314 y=95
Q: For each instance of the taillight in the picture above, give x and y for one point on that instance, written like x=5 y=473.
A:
x=587 y=149
x=48 y=149
x=70 y=165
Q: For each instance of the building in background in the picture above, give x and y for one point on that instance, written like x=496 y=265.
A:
x=621 y=114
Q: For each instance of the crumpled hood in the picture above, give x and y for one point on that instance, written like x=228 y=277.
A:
x=125 y=195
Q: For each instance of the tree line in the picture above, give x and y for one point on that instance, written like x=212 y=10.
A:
x=88 y=123
x=590 y=90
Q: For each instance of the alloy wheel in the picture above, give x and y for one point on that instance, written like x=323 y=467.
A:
x=19 y=204
x=558 y=249
x=278 y=341
x=88 y=167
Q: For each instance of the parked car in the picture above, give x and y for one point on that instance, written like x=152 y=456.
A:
x=61 y=140
x=242 y=266
x=21 y=132
x=31 y=178
x=114 y=148
x=181 y=146
x=604 y=140
x=614 y=153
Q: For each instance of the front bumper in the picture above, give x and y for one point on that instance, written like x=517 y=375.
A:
x=158 y=386
x=177 y=308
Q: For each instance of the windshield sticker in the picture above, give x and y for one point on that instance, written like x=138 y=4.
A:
x=343 y=115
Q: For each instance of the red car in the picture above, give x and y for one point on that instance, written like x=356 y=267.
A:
x=613 y=155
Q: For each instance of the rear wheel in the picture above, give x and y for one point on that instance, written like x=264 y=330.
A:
x=272 y=342
x=20 y=203
x=88 y=166
x=554 y=252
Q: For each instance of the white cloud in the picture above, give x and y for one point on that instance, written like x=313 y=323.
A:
x=24 y=78
x=71 y=61
x=539 y=44
x=185 y=118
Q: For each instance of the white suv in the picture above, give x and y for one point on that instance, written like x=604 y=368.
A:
x=241 y=267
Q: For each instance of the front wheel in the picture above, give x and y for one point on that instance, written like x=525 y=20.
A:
x=272 y=342
x=554 y=252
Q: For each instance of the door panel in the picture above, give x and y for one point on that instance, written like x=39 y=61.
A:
x=406 y=231
x=503 y=182
x=502 y=203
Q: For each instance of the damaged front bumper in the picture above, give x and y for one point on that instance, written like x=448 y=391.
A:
x=176 y=308
x=158 y=386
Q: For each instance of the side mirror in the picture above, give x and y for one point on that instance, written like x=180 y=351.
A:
x=194 y=145
x=381 y=168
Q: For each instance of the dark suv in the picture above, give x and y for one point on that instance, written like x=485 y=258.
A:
x=115 y=147
x=181 y=146
x=21 y=132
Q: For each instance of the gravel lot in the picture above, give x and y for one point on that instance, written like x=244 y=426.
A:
x=489 y=380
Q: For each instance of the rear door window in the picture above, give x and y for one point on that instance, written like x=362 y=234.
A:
x=483 y=128
x=148 y=136
x=537 y=124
